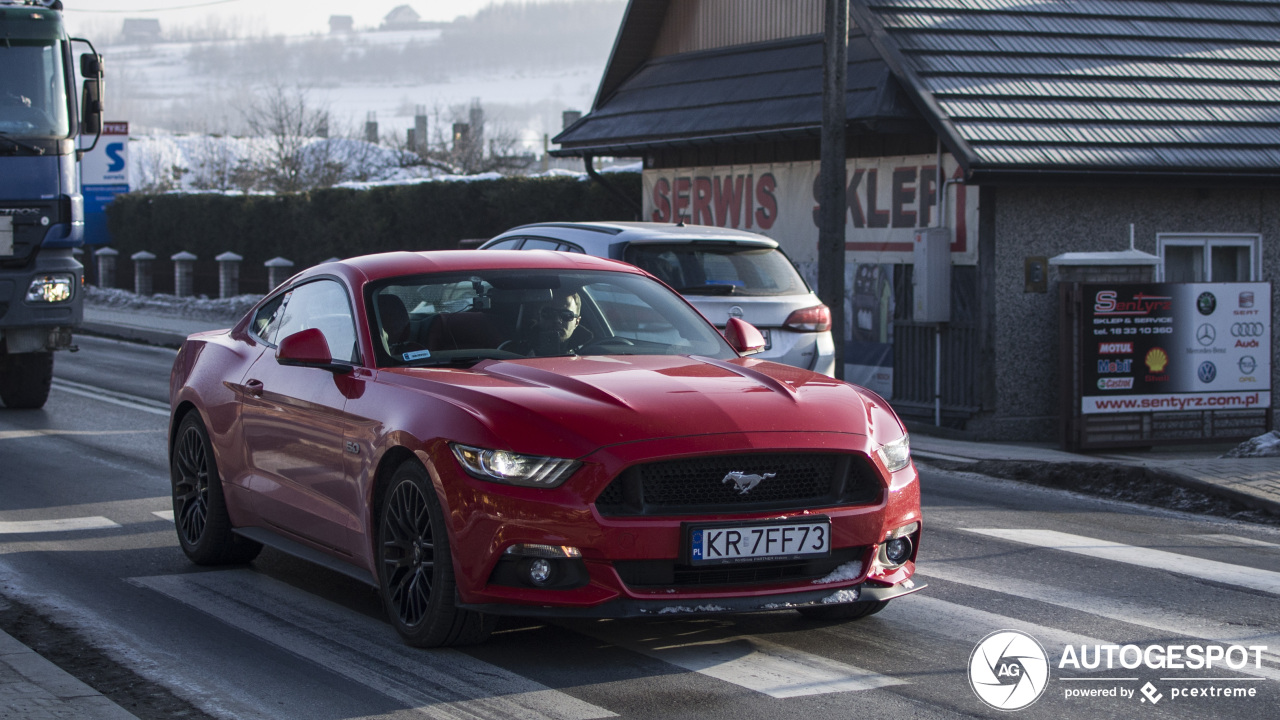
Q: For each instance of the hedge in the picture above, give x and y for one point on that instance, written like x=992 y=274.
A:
x=310 y=227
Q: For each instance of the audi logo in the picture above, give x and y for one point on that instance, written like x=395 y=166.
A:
x=1249 y=329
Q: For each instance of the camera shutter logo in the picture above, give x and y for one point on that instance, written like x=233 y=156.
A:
x=1008 y=670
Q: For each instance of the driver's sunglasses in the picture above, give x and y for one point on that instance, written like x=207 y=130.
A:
x=564 y=316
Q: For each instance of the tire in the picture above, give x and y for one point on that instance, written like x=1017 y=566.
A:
x=415 y=567
x=844 y=611
x=25 y=379
x=199 y=508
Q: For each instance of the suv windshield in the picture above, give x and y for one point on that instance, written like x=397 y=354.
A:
x=33 y=98
x=719 y=268
x=458 y=320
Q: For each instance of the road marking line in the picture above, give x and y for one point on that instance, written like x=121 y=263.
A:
x=1132 y=613
x=921 y=614
x=1233 y=540
x=743 y=660
x=441 y=683
x=132 y=402
x=164 y=514
x=47 y=432
x=1255 y=579
x=62 y=525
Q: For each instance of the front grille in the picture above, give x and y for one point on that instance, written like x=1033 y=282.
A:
x=668 y=573
x=790 y=481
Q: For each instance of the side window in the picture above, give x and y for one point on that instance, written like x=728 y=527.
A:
x=323 y=305
x=540 y=244
x=570 y=247
x=508 y=244
x=267 y=320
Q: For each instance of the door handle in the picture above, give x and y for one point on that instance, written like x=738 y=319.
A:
x=254 y=387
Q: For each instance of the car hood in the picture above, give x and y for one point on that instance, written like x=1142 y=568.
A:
x=580 y=404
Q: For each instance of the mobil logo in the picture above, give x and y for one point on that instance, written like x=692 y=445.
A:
x=1115 y=366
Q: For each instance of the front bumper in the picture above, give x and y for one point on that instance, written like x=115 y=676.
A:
x=865 y=592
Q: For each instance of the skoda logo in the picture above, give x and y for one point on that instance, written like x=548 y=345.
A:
x=1248 y=365
x=1206 y=303
x=1008 y=670
x=1205 y=334
x=1249 y=329
x=735 y=311
x=1207 y=372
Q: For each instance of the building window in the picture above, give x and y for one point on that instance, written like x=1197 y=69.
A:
x=1209 y=258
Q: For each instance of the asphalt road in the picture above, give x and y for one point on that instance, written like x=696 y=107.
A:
x=85 y=537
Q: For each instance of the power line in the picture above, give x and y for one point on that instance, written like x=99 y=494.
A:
x=135 y=11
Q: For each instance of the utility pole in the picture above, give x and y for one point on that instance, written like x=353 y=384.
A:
x=831 y=173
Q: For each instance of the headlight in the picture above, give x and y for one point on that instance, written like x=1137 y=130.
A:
x=51 y=288
x=897 y=454
x=512 y=468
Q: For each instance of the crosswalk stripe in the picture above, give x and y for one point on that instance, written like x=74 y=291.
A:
x=164 y=514
x=1235 y=540
x=18 y=527
x=1253 y=578
x=132 y=402
x=921 y=614
x=443 y=684
x=1179 y=624
x=743 y=660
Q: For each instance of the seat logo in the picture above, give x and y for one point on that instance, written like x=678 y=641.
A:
x=743 y=482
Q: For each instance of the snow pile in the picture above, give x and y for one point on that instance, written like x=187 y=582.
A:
x=200 y=308
x=847 y=571
x=1262 y=446
x=844 y=596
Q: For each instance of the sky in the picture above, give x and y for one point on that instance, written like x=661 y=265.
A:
x=288 y=17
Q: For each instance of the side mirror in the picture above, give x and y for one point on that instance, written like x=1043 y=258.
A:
x=91 y=66
x=308 y=348
x=91 y=107
x=743 y=336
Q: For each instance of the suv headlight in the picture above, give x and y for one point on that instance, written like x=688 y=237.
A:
x=503 y=466
x=51 y=288
x=895 y=455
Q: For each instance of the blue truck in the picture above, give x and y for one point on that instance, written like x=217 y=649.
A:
x=41 y=209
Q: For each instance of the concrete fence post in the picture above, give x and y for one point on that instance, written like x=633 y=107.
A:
x=106 y=258
x=228 y=274
x=277 y=271
x=142 y=261
x=184 y=273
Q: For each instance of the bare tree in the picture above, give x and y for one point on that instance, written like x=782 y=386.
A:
x=286 y=117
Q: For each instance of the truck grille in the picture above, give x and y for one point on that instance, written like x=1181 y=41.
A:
x=702 y=485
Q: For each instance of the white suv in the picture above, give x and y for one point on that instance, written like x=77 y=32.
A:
x=723 y=273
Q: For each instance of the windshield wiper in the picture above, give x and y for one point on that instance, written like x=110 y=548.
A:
x=464 y=361
x=716 y=289
x=20 y=144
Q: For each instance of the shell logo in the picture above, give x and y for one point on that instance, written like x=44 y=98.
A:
x=1156 y=360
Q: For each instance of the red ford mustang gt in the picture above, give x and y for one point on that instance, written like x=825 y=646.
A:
x=534 y=433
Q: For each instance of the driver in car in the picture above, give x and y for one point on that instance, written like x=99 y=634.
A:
x=558 y=329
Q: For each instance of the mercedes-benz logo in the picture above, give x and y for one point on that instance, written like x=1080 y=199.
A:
x=1205 y=334
x=1008 y=670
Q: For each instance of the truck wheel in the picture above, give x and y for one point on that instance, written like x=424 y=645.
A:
x=25 y=379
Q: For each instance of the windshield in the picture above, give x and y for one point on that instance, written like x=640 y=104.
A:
x=33 y=97
x=458 y=320
x=719 y=268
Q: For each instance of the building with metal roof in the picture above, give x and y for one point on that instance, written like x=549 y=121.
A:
x=1025 y=128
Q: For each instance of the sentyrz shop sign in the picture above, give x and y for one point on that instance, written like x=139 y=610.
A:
x=1176 y=347
x=887 y=199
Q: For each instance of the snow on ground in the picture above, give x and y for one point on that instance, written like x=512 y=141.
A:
x=1267 y=445
x=200 y=308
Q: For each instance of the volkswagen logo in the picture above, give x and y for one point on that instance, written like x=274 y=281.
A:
x=1206 y=303
x=1207 y=372
x=1248 y=329
x=1008 y=670
x=1248 y=365
x=1205 y=334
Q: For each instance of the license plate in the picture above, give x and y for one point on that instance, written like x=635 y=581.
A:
x=714 y=543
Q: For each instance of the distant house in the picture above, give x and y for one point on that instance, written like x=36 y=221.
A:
x=141 y=30
x=341 y=24
x=402 y=17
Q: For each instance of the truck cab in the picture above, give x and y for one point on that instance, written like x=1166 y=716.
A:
x=41 y=208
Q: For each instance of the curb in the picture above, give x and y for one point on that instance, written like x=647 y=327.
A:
x=62 y=696
x=161 y=338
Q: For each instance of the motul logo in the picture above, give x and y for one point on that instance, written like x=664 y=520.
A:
x=1115 y=348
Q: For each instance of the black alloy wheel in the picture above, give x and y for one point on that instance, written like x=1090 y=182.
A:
x=199 y=510
x=415 y=567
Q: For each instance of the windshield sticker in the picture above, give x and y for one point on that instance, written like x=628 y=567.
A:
x=416 y=355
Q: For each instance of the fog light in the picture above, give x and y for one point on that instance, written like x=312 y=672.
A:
x=539 y=571
x=898 y=550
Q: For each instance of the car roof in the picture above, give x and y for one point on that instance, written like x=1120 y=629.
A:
x=596 y=237
x=367 y=268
